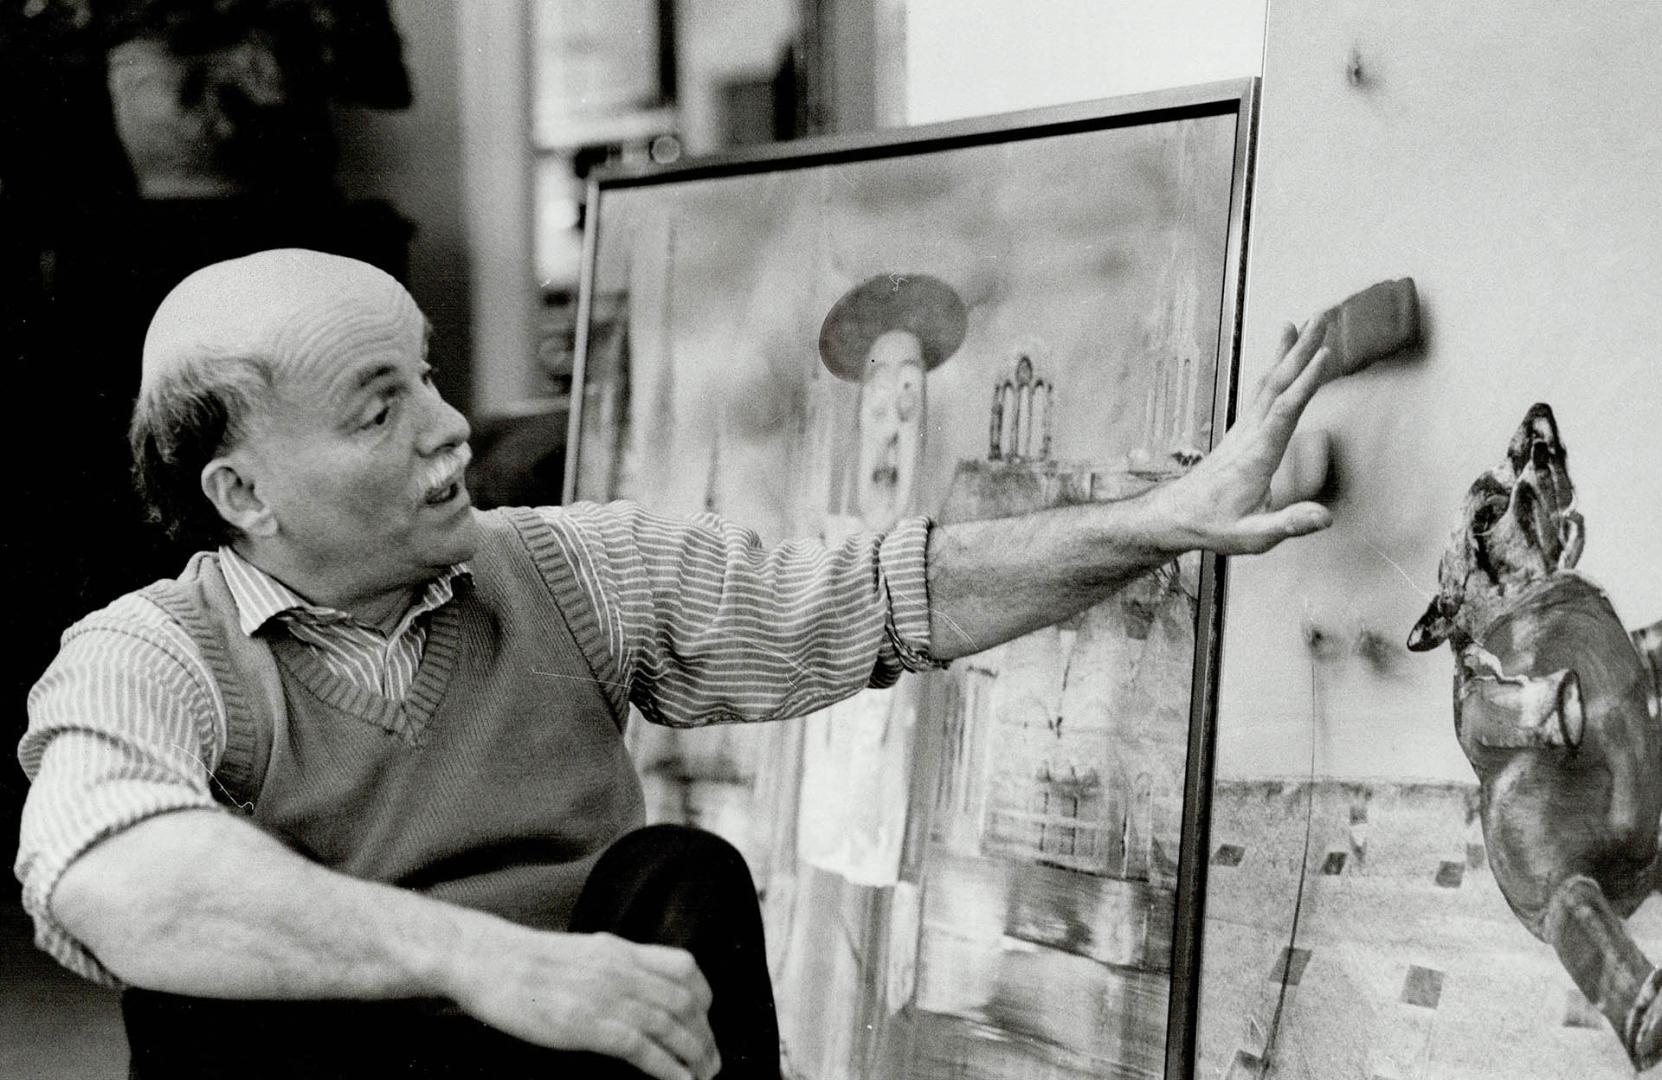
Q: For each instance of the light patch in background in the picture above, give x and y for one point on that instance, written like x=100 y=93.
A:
x=973 y=57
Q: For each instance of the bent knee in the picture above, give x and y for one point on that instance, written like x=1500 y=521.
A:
x=680 y=847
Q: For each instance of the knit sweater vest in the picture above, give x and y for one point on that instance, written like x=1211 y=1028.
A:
x=495 y=784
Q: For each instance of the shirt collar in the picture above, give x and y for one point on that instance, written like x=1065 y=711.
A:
x=261 y=598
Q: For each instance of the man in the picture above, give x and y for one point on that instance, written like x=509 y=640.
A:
x=368 y=752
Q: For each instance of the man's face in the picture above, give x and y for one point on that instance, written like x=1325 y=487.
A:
x=891 y=428
x=358 y=457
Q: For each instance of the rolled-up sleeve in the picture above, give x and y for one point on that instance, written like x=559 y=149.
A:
x=904 y=560
x=124 y=725
x=709 y=625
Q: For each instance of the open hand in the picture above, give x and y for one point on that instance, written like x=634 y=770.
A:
x=645 y=1004
x=1251 y=493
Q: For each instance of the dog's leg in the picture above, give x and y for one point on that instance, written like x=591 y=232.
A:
x=1572 y=533
x=1593 y=945
x=1500 y=711
x=1648 y=641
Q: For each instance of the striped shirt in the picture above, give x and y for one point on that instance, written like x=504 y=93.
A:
x=361 y=654
x=704 y=623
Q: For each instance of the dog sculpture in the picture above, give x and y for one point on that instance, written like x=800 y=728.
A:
x=1555 y=706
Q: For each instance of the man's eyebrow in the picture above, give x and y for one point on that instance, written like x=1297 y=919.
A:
x=370 y=375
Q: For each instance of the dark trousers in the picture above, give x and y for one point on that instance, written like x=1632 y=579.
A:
x=664 y=884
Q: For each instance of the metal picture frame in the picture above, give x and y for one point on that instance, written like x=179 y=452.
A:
x=1229 y=110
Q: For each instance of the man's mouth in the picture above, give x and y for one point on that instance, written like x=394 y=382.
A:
x=444 y=494
x=446 y=479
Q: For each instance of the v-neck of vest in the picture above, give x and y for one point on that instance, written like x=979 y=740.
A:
x=409 y=718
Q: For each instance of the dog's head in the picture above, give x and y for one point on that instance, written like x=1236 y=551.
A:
x=1519 y=526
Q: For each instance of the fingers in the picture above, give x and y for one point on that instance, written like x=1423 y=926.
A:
x=669 y=1004
x=1288 y=336
x=1289 y=404
x=649 y=1036
x=647 y=1005
x=1298 y=346
x=1258 y=533
x=1303 y=471
x=1301 y=519
x=618 y=1040
x=678 y=966
x=1254 y=490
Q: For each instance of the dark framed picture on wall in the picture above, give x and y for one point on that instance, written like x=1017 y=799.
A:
x=987 y=871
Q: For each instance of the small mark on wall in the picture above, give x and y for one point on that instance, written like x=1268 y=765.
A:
x=1451 y=874
x=1579 y=1012
x=1228 y=855
x=1290 y=965
x=1354 y=74
x=1334 y=864
x=1422 y=987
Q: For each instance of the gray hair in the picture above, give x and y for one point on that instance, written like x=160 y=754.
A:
x=182 y=421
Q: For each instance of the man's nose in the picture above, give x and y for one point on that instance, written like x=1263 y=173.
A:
x=446 y=426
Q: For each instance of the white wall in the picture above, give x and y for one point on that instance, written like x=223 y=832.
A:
x=493 y=91
x=1515 y=176
x=723 y=40
x=974 y=57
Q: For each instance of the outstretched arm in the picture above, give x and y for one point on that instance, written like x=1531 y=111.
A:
x=990 y=581
x=167 y=905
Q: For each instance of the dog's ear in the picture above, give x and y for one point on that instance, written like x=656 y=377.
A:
x=1434 y=627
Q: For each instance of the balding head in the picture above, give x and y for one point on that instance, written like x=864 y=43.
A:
x=284 y=307
x=214 y=350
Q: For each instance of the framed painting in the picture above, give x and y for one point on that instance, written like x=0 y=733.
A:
x=987 y=871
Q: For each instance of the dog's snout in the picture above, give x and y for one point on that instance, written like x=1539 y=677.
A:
x=1539 y=428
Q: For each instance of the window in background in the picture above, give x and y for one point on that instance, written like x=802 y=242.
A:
x=642 y=82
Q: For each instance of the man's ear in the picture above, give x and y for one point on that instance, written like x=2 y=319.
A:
x=229 y=485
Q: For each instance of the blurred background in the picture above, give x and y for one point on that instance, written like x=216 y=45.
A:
x=447 y=141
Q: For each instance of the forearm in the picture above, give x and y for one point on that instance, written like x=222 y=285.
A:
x=202 y=903
x=990 y=581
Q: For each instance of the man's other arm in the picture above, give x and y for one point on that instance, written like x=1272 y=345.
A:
x=135 y=874
x=200 y=902
x=990 y=581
